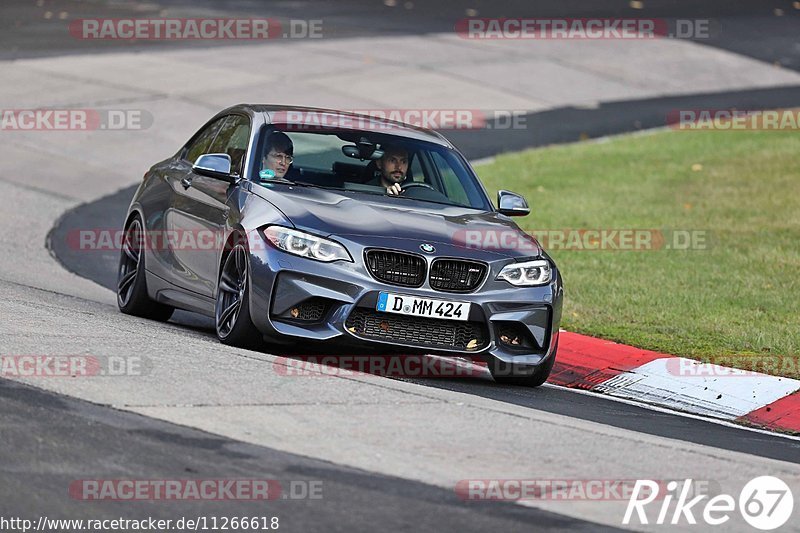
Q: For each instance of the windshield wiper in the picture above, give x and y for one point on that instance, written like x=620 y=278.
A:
x=400 y=196
x=284 y=181
x=318 y=186
x=275 y=180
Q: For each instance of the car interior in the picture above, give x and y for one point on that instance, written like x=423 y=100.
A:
x=333 y=168
x=346 y=160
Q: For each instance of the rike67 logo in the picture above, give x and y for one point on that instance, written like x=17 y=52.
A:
x=765 y=502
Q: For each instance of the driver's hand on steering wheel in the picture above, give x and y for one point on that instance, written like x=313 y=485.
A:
x=394 y=189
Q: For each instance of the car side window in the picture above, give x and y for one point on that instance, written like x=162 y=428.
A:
x=232 y=139
x=202 y=142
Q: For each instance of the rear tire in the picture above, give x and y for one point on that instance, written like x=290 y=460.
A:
x=232 y=310
x=132 y=297
x=511 y=374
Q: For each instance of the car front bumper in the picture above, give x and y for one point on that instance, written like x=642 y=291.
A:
x=294 y=300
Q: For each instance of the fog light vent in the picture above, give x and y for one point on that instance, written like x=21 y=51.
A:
x=311 y=310
x=515 y=336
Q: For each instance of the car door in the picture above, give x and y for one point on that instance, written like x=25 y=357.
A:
x=197 y=217
x=160 y=218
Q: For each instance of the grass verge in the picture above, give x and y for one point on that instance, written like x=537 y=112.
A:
x=734 y=300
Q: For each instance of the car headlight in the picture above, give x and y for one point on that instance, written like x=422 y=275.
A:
x=528 y=273
x=306 y=245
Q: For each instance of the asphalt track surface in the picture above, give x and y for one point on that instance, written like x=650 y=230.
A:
x=101 y=264
x=751 y=27
x=81 y=439
x=72 y=434
x=762 y=30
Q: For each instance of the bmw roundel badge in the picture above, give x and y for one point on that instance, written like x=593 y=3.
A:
x=427 y=248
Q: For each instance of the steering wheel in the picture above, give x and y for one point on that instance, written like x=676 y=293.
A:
x=411 y=184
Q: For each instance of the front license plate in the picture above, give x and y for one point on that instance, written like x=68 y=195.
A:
x=428 y=307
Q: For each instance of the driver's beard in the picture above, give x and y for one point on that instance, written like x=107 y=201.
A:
x=392 y=179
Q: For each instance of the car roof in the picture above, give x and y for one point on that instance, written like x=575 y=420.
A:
x=345 y=120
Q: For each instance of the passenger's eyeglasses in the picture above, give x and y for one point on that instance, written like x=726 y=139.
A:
x=283 y=158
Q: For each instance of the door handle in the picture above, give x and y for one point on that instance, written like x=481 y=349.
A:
x=186 y=182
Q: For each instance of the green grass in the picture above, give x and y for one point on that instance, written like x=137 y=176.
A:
x=738 y=297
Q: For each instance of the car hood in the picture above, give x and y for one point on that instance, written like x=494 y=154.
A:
x=326 y=212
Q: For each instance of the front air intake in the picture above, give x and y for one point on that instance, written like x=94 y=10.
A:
x=396 y=268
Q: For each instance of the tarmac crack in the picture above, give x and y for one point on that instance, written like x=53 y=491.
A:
x=95 y=82
x=27 y=187
x=266 y=404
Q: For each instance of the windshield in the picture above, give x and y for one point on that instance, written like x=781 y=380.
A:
x=371 y=163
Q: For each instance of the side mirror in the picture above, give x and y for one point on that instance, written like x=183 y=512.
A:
x=214 y=166
x=512 y=204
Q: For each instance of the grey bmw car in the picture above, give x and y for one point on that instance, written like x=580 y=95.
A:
x=302 y=226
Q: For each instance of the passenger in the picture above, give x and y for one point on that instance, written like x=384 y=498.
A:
x=392 y=168
x=278 y=156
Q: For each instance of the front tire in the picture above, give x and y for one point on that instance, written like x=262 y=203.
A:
x=511 y=374
x=132 y=297
x=232 y=310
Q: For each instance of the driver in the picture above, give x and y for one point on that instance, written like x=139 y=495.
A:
x=392 y=168
x=278 y=155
